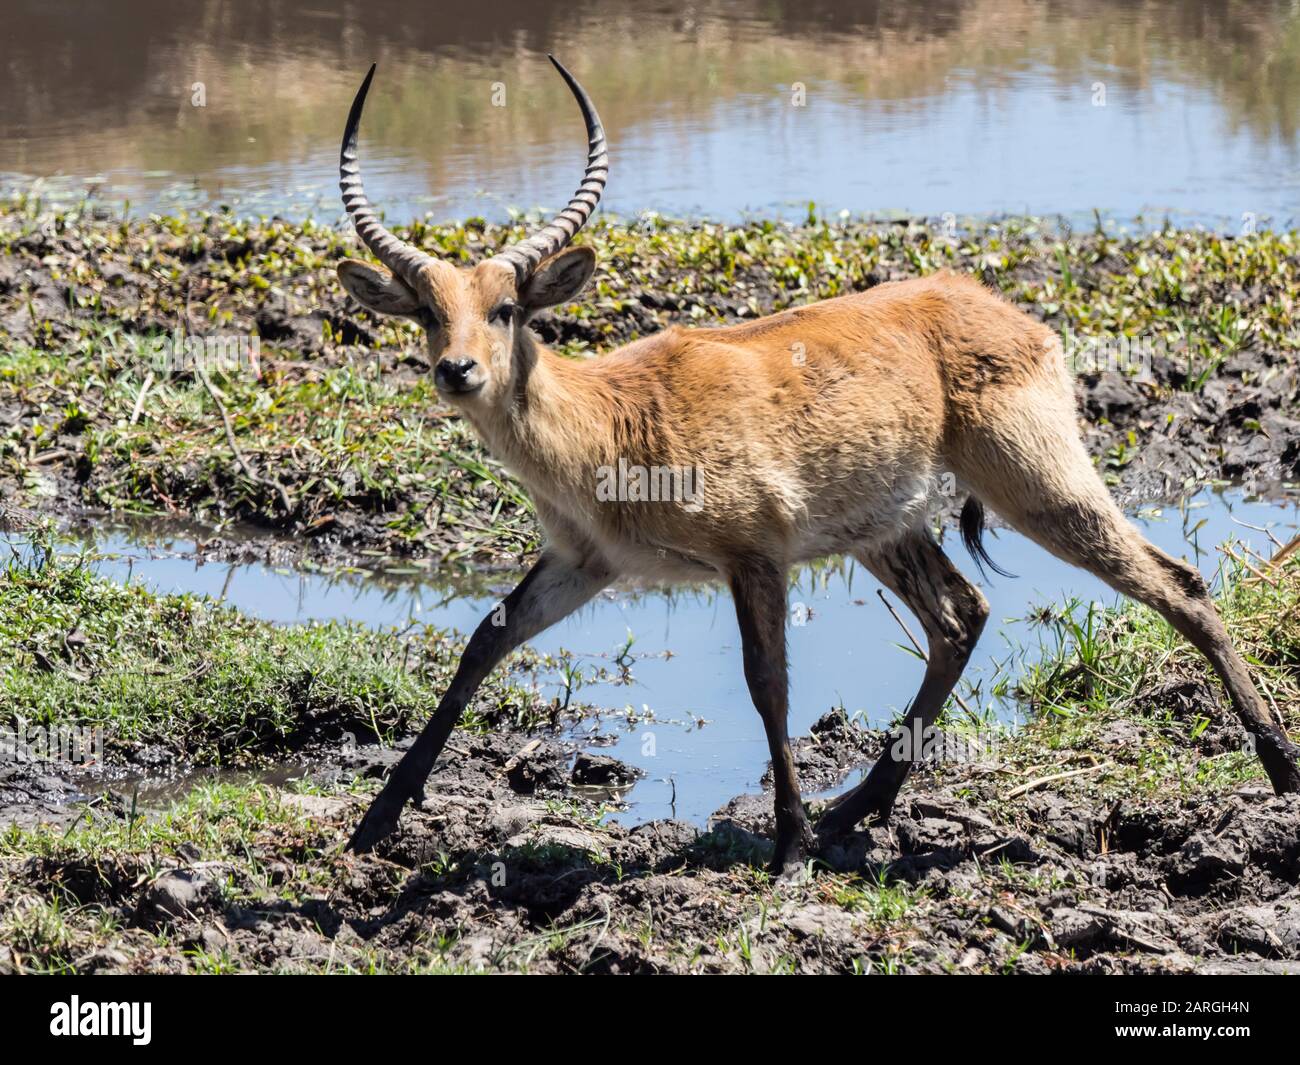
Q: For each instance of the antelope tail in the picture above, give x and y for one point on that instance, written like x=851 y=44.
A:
x=972 y=535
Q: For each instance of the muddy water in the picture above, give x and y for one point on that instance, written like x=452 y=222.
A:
x=957 y=106
x=705 y=743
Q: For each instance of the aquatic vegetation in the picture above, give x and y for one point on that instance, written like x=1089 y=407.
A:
x=341 y=438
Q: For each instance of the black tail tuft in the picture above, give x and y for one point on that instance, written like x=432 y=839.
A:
x=972 y=535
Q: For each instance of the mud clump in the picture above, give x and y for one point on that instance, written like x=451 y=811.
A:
x=601 y=771
x=178 y=895
x=504 y=866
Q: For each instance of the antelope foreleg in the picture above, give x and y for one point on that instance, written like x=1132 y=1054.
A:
x=552 y=589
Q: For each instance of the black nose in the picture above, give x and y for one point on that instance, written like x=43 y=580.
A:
x=453 y=374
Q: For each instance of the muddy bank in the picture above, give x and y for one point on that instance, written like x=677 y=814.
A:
x=1125 y=827
x=110 y=687
x=503 y=869
x=344 y=447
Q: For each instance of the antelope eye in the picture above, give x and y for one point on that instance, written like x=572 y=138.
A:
x=429 y=319
x=503 y=314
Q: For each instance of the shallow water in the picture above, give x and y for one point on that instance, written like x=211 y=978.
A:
x=957 y=106
x=708 y=742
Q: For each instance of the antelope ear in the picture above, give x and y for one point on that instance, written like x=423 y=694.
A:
x=558 y=278
x=376 y=289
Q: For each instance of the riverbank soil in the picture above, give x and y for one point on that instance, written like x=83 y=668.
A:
x=1125 y=828
x=1184 y=342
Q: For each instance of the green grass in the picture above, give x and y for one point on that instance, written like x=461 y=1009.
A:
x=358 y=439
x=212 y=685
x=1095 y=667
x=884 y=901
x=67 y=895
x=70 y=901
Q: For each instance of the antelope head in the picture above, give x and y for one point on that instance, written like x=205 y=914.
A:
x=474 y=317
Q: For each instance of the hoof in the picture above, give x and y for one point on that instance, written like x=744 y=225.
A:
x=789 y=862
x=833 y=823
x=845 y=814
x=378 y=823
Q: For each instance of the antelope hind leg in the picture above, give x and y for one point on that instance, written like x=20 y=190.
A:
x=952 y=612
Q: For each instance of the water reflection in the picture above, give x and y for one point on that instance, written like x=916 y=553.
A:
x=844 y=644
x=962 y=107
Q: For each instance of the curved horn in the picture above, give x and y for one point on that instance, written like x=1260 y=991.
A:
x=524 y=256
x=400 y=257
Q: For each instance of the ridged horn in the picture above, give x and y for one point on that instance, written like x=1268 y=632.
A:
x=524 y=256
x=401 y=258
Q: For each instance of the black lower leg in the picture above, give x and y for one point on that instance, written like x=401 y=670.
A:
x=1277 y=754
x=1185 y=602
x=953 y=613
x=551 y=590
x=793 y=834
x=406 y=781
x=873 y=799
x=760 y=594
